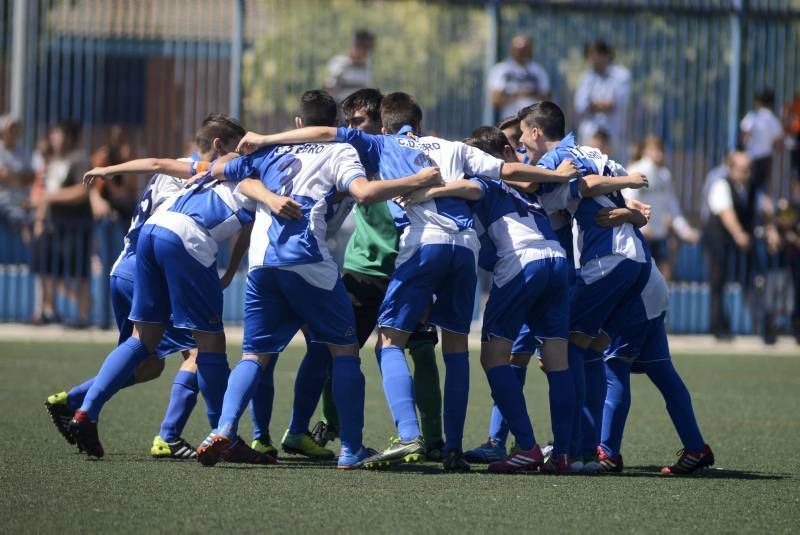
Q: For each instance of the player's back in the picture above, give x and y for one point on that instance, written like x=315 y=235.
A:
x=158 y=190
x=311 y=174
x=204 y=215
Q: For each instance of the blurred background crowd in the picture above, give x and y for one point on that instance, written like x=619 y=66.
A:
x=725 y=190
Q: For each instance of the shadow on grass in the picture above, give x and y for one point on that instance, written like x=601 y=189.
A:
x=708 y=473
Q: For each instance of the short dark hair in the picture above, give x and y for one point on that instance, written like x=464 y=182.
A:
x=766 y=97
x=217 y=125
x=599 y=46
x=547 y=117
x=398 y=110
x=509 y=122
x=603 y=135
x=362 y=37
x=318 y=108
x=490 y=139
x=367 y=99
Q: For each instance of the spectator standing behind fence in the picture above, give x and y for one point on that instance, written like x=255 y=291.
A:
x=63 y=223
x=601 y=99
x=518 y=81
x=666 y=212
x=16 y=174
x=762 y=135
x=726 y=237
x=351 y=71
x=118 y=195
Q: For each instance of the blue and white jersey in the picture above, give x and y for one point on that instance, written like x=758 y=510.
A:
x=159 y=189
x=513 y=231
x=204 y=215
x=593 y=242
x=312 y=174
x=403 y=154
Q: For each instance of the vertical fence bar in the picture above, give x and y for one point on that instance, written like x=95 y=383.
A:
x=493 y=16
x=735 y=73
x=237 y=47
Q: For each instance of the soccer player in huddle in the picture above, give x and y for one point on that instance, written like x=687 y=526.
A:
x=368 y=265
x=618 y=291
x=293 y=281
x=176 y=280
x=217 y=135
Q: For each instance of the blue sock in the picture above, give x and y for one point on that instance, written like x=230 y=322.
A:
x=212 y=378
x=76 y=394
x=308 y=385
x=562 y=409
x=456 y=394
x=348 y=393
x=618 y=403
x=679 y=403
x=242 y=384
x=116 y=372
x=182 y=399
x=592 y=410
x=261 y=404
x=498 y=427
x=576 y=369
x=509 y=397
x=399 y=390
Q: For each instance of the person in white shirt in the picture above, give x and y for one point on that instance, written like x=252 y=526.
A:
x=351 y=71
x=666 y=210
x=762 y=134
x=601 y=99
x=727 y=235
x=517 y=81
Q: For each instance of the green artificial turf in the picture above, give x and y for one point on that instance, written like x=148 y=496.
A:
x=747 y=407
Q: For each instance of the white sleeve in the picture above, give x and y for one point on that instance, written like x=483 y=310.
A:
x=495 y=81
x=244 y=201
x=336 y=66
x=616 y=168
x=478 y=163
x=345 y=166
x=719 y=197
x=747 y=122
x=623 y=86
x=556 y=199
x=776 y=127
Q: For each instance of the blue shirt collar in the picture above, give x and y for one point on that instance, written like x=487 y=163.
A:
x=405 y=130
x=568 y=141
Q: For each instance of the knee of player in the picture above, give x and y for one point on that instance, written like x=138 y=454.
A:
x=150 y=369
x=600 y=342
x=520 y=359
x=350 y=350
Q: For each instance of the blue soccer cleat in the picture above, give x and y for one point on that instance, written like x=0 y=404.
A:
x=351 y=461
x=490 y=452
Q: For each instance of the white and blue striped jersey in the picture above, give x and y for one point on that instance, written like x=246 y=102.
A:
x=311 y=174
x=402 y=154
x=593 y=242
x=513 y=231
x=204 y=215
x=159 y=189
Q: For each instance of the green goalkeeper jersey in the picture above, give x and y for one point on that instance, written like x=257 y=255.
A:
x=372 y=248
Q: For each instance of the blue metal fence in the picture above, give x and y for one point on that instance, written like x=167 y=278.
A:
x=157 y=67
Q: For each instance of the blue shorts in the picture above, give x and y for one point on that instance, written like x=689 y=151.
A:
x=525 y=342
x=536 y=298
x=605 y=303
x=444 y=271
x=278 y=302
x=171 y=284
x=173 y=341
x=640 y=344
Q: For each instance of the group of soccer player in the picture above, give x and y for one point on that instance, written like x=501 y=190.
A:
x=572 y=283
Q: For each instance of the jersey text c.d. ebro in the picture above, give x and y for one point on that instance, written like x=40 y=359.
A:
x=311 y=174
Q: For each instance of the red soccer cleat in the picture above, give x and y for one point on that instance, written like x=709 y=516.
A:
x=519 y=461
x=609 y=464
x=239 y=452
x=690 y=462
x=84 y=432
x=210 y=451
